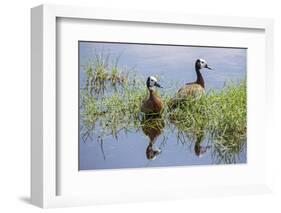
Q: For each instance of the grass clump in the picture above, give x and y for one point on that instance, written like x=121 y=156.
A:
x=222 y=115
x=102 y=72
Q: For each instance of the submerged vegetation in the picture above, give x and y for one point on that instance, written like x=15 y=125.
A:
x=111 y=98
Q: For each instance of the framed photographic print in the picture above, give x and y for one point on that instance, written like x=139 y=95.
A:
x=133 y=106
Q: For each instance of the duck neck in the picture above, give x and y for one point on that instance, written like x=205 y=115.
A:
x=200 y=79
x=151 y=91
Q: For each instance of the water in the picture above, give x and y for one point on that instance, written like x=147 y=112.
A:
x=129 y=151
x=166 y=145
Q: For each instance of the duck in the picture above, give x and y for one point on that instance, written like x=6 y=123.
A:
x=193 y=89
x=153 y=104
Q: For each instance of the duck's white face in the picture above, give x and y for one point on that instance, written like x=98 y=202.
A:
x=152 y=82
x=203 y=64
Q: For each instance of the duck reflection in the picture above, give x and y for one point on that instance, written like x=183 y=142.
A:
x=200 y=149
x=152 y=128
x=197 y=138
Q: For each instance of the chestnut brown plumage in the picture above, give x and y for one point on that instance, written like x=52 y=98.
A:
x=153 y=103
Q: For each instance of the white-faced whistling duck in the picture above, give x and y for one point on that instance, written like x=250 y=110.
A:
x=196 y=88
x=153 y=104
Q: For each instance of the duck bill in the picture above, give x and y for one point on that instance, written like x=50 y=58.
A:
x=209 y=67
x=158 y=85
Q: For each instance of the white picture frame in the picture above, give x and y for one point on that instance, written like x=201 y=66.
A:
x=44 y=82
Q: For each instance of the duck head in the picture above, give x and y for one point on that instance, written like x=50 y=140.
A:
x=151 y=83
x=152 y=153
x=200 y=64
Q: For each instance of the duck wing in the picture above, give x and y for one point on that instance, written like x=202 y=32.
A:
x=153 y=104
x=147 y=106
x=191 y=89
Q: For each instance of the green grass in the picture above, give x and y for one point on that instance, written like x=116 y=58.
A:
x=110 y=105
x=220 y=115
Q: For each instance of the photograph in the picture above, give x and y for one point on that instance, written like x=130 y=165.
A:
x=161 y=105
